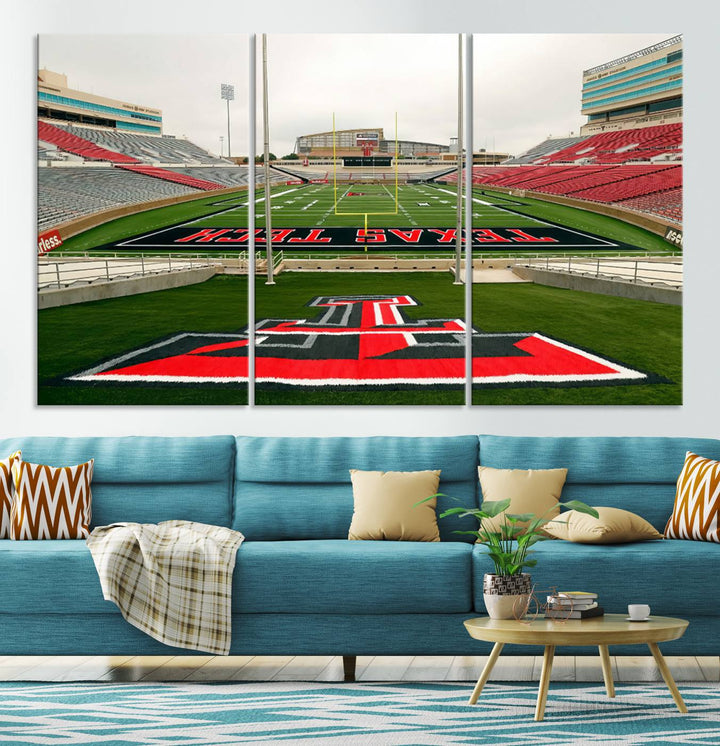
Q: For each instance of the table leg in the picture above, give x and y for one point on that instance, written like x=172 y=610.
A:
x=665 y=671
x=485 y=675
x=607 y=670
x=544 y=681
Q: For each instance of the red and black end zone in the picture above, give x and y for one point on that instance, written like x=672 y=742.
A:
x=362 y=342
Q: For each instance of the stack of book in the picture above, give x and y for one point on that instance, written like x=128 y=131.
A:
x=573 y=605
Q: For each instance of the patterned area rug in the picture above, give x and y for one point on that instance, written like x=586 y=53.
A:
x=377 y=714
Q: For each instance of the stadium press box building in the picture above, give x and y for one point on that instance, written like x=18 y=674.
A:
x=359 y=142
x=57 y=101
x=641 y=89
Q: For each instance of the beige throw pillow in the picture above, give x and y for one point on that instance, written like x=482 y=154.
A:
x=530 y=491
x=612 y=526
x=385 y=505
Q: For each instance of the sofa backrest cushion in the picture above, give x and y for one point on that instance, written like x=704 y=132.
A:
x=637 y=474
x=300 y=488
x=146 y=479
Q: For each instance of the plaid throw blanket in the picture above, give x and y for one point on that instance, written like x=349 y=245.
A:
x=172 y=580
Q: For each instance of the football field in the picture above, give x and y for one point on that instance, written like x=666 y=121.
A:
x=368 y=217
x=354 y=337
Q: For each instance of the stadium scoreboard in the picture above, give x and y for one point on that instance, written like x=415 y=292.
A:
x=372 y=160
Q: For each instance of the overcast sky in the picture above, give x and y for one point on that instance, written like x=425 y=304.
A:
x=526 y=86
x=179 y=74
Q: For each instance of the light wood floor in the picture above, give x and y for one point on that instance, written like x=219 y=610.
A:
x=324 y=668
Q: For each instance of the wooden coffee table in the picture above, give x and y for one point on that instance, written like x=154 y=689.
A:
x=611 y=629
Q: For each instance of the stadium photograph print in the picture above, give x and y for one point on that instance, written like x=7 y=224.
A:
x=577 y=234
x=356 y=298
x=142 y=138
x=428 y=219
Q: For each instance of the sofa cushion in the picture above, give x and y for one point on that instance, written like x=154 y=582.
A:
x=303 y=577
x=56 y=576
x=696 y=512
x=352 y=577
x=637 y=474
x=386 y=505
x=612 y=526
x=7 y=488
x=622 y=574
x=51 y=502
x=146 y=479
x=535 y=491
x=299 y=488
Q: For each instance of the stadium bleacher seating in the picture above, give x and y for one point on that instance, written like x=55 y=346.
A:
x=48 y=152
x=136 y=170
x=230 y=175
x=168 y=175
x=546 y=148
x=638 y=186
x=603 y=168
x=667 y=204
x=621 y=146
x=68 y=193
x=145 y=148
x=72 y=143
x=617 y=146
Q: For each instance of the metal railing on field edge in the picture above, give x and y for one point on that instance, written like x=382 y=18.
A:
x=75 y=271
x=635 y=270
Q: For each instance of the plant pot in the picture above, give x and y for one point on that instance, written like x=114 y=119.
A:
x=507 y=596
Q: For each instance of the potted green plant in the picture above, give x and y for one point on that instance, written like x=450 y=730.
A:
x=507 y=591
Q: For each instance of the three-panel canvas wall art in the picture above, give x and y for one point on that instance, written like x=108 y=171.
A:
x=360 y=219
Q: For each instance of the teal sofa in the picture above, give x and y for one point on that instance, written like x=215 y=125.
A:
x=301 y=588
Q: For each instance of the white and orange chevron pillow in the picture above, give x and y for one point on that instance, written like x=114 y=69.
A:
x=7 y=490
x=51 y=502
x=696 y=513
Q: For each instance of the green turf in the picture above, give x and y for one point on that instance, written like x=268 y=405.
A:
x=160 y=217
x=288 y=299
x=640 y=334
x=74 y=338
x=316 y=205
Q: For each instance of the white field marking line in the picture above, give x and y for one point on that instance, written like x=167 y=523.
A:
x=537 y=220
x=122 y=358
x=197 y=220
x=400 y=207
x=160 y=379
x=332 y=207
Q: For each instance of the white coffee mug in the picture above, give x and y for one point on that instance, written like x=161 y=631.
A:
x=638 y=612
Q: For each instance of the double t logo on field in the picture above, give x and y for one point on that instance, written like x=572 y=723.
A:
x=362 y=341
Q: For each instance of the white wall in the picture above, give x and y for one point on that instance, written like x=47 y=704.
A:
x=700 y=415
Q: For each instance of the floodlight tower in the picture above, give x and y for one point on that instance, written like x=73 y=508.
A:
x=227 y=92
